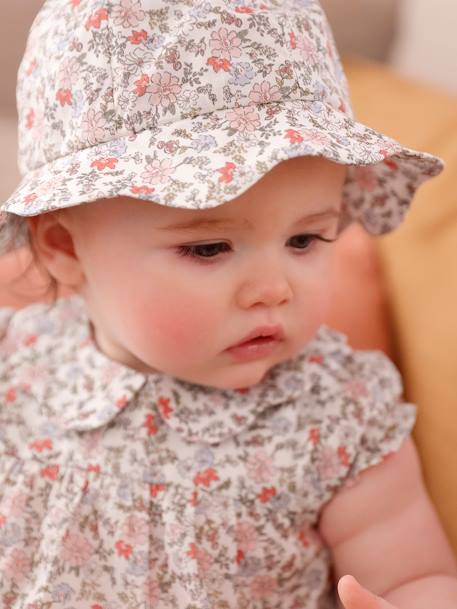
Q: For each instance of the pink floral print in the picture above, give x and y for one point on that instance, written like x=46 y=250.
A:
x=157 y=172
x=163 y=88
x=127 y=13
x=225 y=44
x=119 y=489
x=94 y=127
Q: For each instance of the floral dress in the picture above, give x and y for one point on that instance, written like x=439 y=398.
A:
x=121 y=490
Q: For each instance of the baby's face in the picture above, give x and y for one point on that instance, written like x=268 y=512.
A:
x=171 y=289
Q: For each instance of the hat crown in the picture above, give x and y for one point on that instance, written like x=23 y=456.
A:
x=97 y=70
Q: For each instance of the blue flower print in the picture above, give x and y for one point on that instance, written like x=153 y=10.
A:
x=242 y=73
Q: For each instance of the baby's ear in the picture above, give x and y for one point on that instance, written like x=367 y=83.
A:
x=52 y=241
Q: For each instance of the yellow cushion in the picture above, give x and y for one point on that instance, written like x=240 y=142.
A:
x=420 y=269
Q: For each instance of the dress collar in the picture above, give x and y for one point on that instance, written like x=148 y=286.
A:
x=91 y=389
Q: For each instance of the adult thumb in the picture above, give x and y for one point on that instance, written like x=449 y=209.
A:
x=355 y=596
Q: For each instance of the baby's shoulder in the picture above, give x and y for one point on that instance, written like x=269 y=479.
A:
x=33 y=331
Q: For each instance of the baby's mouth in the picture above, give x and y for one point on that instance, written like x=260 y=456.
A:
x=261 y=335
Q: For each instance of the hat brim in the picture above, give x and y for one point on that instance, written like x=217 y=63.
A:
x=205 y=161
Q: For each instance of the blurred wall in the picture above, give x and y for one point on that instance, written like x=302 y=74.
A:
x=426 y=47
x=363 y=27
x=15 y=21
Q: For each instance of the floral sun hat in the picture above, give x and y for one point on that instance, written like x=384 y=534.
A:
x=188 y=103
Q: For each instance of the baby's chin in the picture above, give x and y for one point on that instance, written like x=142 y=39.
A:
x=238 y=377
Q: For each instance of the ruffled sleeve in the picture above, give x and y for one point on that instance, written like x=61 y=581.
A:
x=387 y=420
x=355 y=413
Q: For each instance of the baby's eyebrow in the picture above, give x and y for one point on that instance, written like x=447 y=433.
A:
x=199 y=224
x=227 y=223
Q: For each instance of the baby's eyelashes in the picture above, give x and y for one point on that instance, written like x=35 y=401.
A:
x=206 y=252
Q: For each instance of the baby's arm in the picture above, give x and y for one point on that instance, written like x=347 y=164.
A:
x=384 y=531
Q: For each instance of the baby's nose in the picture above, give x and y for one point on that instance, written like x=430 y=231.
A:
x=269 y=288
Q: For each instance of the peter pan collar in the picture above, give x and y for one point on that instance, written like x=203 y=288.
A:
x=90 y=390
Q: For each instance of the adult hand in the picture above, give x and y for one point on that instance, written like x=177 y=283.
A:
x=355 y=596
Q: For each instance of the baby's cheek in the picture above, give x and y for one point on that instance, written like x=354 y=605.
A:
x=178 y=326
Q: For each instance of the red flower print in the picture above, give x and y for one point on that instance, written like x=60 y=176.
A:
x=96 y=606
x=150 y=424
x=316 y=359
x=141 y=85
x=205 y=477
x=41 y=445
x=141 y=190
x=30 y=198
x=192 y=551
x=219 y=64
x=51 y=472
x=293 y=136
x=164 y=407
x=239 y=557
x=2 y=520
x=30 y=340
x=11 y=395
x=96 y=19
x=123 y=549
x=75 y=3
x=64 y=96
x=266 y=494
x=194 y=499
x=307 y=536
x=96 y=469
x=242 y=390
x=30 y=118
x=314 y=435
x=31 y=67
x=155 y=489
x=293 y=40
x=226 y=172
x=244 y=9
x=102 y=164
x=137 y=37
x=202 y=557
x=303 y=539
x=121 y=402
x=343 y=455
x=390 y=163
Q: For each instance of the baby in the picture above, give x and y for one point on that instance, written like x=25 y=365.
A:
x=182 y=432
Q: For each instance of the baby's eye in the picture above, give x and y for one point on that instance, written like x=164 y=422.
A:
x=203 y=250
x=304 y=241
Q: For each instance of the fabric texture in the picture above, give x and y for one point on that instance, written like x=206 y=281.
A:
x=119 y=489
x=189 y=104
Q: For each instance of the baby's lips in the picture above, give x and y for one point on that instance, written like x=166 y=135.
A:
x=276 y=332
